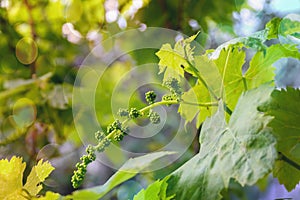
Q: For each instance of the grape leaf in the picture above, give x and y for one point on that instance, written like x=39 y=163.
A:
x=261 y=69
x=272 y=27
x=244 y=150
x=175 y=59
x=254 y=41
x=11 y=177
x=205 y=69
x=287 y=175
x=284 y=107
x=156 y=190
x=288 y=26
x=37 y=175
x=230 y=64
x=188 y=108
x=131 y=168
x=49 y=196
x=171 y=58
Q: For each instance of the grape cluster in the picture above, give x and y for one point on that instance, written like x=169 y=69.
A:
x=116 y=125
x=102 y=145
x=154 y=117
x=134 y=113
x=173 y=85
x=150 y=97
x=103 y=142
x=99 y=135
x=79 y=174
x=123 y=112
x=117 y=131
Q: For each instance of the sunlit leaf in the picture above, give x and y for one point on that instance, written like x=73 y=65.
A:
x=243 y=150
x=37 y=175
x=11 y=178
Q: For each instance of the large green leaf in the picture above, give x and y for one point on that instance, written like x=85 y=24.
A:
x=284 y=107
x=243 y=150
x=230 y=63
x=225 y=78
x=131 y=168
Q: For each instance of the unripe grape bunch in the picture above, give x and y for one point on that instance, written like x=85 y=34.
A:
x=117 y=129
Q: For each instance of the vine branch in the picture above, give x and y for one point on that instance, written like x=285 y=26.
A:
x=287 y=160
x=33 y=35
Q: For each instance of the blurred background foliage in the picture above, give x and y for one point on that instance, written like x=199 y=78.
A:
x=43 y=45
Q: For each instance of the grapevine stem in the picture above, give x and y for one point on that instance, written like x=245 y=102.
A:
x=224 y=72
x=245 y=83
x=33 y=34
x=290 y=162
x=110 y=135
x=200 y=104
x=158 y=104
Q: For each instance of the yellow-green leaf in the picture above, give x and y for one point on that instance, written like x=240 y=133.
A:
x=11 y=179
x=49 y=196
x=11 y=175
x=37 y=175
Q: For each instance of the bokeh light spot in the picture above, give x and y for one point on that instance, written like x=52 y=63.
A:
x=26 y=50
x=24 y=112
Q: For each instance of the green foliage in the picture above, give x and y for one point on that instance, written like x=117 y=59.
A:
x=220 y=72
x=243 y=150
x=173 y=61
x=11 y=178
x=173 y=14
x=246 y=148
x=156 y=190
x=284 y=107
x=223 y=90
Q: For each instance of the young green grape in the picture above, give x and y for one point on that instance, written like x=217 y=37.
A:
x=134 y=113
x=117 y=129
x=154 y=117
x=150 y=97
